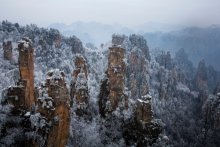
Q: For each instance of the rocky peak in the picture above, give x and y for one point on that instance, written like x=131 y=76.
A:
x=115 y=84
x=22 y=95
x=26 y=68
x=76 y=45
x=144 y=109
x=164 y=59
x=25 y=43
x=118 y=40
x=79 y=86
x=80 y=65
x=54 y=104
x=139 y=42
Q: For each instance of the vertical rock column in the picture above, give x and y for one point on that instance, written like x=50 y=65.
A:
x=54 y=104
x=79 y=86
x=112 y=87
x=26 y=68
x=144 y=111
x=116 y=75
x=7 y=47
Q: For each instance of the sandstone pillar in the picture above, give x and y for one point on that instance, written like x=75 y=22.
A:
x=79 y=87
x=54 y=104
x=26 y=68
x=144 y=112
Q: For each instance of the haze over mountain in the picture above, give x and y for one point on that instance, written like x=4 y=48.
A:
x=97 y=33
x=199 y=42
x=109 y=73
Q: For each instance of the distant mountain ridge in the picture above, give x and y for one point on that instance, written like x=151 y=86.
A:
x=91 y=32
x=98 y=33
x=199 y=43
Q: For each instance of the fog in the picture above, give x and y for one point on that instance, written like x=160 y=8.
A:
x=125 y=12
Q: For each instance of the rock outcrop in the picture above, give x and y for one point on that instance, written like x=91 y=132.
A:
x=142 y=129
x=76 y=45
x=26 y=69
x=164 y=59
x=144 y=111
x=54 y=105
x=139 y=129
x=42 y=114
x=112 y=88
x=138 y=67
x=139 y=42
x=201 y=82
x=23 y=93
x=79 y=86
x=211 y=121
x=7 y=47
x=118 y=40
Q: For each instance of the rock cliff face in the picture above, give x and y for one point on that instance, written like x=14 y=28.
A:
x=144 y=111
x=45 y=113
x=54 y=104
x=26 y=69
x=113 y=87
x=76 y=45
x=138 y=67
x=79 y=86
x=139 y=42
x=23 y=93
x=164 y=59
x=137 y=59
x=118 y=40
x=180 y=96
x=140 y=128
x=7 y=47
x=211 y=121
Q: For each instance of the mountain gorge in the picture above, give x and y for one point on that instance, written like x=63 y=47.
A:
x=57 y=91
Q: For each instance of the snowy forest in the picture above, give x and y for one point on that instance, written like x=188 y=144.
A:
x=58 y=91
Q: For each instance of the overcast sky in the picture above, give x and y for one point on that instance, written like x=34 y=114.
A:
x=124 y=12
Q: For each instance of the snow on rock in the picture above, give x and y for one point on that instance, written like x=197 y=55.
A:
x=55 y=74
x=37 y=121
x=182 y=87
x=81 y=81
x=26 y=42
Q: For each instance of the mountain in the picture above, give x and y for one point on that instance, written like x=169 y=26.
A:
x=91 y=32
x=199 y=43
x=57 y=91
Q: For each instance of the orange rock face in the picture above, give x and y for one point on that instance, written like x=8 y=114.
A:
x=116 y=74
x=7 y=47
x=112 y=88
x=54 y=104
x=26 y=68
x=22 y=95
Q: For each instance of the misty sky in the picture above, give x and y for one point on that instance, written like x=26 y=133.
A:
x=124 y=12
